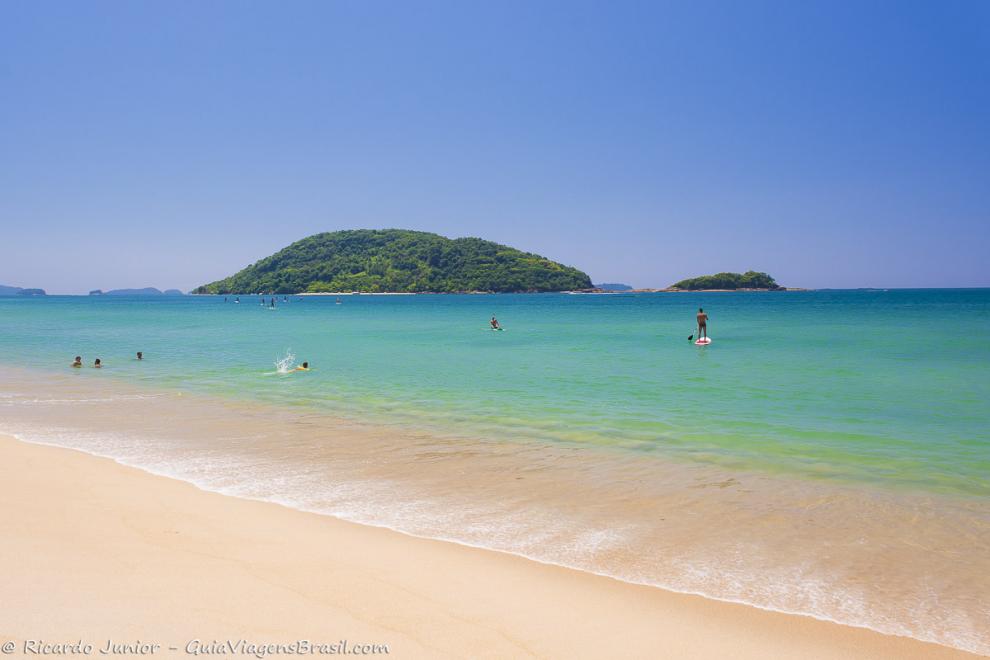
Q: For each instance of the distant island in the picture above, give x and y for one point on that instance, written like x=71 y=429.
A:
x=612 y=286
x=749 y=281
x=18 y=291
x=147 y=291
x=399 y=261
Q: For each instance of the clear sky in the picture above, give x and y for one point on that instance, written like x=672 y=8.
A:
x=168 y=144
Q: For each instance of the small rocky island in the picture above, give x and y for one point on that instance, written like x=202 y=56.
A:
x=18 y=291
x=748 y=281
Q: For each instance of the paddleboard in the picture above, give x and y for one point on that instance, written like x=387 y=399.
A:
x=703 y=342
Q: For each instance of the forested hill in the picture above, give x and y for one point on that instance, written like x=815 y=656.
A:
x=748 y=280
x=398 y=260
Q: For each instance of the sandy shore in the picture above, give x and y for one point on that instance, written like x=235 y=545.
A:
x=92 y=550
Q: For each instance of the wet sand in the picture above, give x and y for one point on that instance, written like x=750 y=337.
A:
x=94 y=550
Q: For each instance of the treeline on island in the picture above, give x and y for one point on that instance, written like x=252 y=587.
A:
x=748 y=280
x=398 y=260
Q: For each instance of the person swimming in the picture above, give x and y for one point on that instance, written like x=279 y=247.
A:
x=494 y=323
x=97 y=364
x=77 y=363
x=140 y=355
x=303 y=367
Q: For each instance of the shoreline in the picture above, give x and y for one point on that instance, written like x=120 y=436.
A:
x=138 y=545
x=493 y=293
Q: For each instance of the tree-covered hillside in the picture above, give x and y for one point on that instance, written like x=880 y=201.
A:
x=398 y=260
x=748 y=280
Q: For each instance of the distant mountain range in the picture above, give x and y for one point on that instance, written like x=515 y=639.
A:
x=18 y=291
x=147 y=291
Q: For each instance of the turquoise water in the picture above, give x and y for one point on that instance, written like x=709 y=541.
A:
x=828 y=454
x=888 y=388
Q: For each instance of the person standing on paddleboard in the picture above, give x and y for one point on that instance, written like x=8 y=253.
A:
x=702 y=324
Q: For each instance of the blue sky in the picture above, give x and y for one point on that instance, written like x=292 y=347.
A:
x=169 y=144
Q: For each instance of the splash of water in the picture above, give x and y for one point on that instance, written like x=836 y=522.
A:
x=286 y=363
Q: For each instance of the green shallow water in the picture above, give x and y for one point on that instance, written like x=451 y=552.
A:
x=882 y=387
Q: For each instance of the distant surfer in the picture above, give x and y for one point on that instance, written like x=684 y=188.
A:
x=495 y=325
x=78 y=362
x=702 y=324
x=140 y=355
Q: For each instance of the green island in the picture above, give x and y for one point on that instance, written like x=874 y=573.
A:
x=398 y=261
x=728 y=282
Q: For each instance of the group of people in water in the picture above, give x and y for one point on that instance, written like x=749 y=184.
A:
x=702 y=319
x=270 y=303
x=98 y=363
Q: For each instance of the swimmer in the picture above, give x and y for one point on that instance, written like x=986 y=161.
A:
x=304 y=367
x=97 y=364
x=78 y=362
x=140 y=355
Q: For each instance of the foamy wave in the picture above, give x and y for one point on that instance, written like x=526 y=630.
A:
x=15 y=400
x=534 y=532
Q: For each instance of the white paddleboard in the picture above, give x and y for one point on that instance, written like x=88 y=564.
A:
x=703 y=341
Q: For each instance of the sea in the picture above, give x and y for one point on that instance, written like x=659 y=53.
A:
x=828 y=454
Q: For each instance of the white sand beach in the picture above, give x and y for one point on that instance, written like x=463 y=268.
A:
x=95 y=551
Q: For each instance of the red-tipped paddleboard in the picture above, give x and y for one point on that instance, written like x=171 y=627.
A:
x=703 y=341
